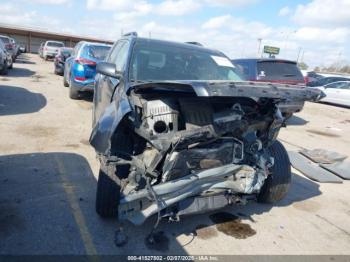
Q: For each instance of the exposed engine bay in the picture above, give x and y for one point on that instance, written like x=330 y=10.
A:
x=192 y=153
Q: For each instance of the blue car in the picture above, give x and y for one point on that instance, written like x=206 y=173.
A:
x=80 y=68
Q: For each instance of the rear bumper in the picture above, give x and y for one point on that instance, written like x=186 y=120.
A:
x=49 y=54
x=85 y=86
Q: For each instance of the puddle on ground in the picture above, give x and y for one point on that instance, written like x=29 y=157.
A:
x=37 y=131
x=322 y=133
x=232 y=225
x=158 y=241
x=308 y=206
x=205 y=232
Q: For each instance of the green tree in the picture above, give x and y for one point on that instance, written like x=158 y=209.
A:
x=303 y=66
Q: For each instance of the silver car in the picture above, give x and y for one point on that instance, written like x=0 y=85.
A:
x=5 y=59
x=9 y=46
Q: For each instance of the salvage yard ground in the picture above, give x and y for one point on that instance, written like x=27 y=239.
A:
x=48 y=176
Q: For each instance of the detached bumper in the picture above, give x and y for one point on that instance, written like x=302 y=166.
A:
x=138 y=206
x=291 y=107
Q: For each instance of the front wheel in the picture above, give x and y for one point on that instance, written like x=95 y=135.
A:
x=4 y=69
x=108 y=192
x=277 y=183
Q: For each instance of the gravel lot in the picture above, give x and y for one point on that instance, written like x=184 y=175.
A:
x=48 y=181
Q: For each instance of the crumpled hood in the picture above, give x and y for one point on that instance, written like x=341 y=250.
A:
x=236 y=89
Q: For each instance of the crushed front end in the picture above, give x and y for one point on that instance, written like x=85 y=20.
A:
x=198 y=146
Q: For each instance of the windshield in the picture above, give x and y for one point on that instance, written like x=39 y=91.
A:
x=161 y=62
x=279 y=70
x=55 y=44
x=5 y=39
x=96 y=51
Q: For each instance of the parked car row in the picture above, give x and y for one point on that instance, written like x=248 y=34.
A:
x=6 y=57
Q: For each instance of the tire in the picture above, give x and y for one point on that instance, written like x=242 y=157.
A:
x=277 y=183
x=65 y=83
x=73 y=93
x=109 y=179
x=108 y=192
x=4 y=70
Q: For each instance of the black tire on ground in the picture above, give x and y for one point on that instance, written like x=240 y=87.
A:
x=277 y=183
x=109 y=180
x=73 y=93
x=65 y=83
x=4 y=70
x=108 y=192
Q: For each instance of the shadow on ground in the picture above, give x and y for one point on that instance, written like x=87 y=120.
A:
x=296 y=121
x=17 y=100
x=24 y=59
x=17 y=71
x=47 y=207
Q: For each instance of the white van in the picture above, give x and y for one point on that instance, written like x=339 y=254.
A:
x=50 y=49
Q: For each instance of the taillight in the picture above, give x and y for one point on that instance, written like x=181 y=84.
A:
x=306 y=79
x=84 y=61
x=80 y=78
x=8 y=46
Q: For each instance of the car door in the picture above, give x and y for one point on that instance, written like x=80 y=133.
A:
x=344 y=94
x=333 y=92
x=105 y=85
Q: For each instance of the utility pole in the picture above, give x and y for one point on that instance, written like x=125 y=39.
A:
x=259 y=45
x=298 y=53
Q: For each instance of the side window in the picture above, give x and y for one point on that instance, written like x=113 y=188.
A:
x=122 y=56
x=114 y=52
x=119 y=54
x=345 y=85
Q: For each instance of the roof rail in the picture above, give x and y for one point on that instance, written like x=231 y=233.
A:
x=131 y=34
x=194 y=43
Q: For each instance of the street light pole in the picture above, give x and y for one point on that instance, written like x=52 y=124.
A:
x=259 y=45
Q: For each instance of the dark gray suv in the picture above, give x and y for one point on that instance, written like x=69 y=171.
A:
x=178 y=132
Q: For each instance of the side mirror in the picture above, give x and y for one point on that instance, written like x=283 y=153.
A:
x=107 y=69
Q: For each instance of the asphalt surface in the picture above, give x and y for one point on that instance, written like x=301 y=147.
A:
x=48 y=180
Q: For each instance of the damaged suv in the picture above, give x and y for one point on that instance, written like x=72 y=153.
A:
x=178 y=132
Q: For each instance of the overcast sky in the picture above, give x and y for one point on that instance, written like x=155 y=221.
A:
x=321 y=28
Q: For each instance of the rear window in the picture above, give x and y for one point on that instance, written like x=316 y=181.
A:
x=54 y=44
x=96 y=51
x=5 y=40
x=66 y=52
x=278 y=70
